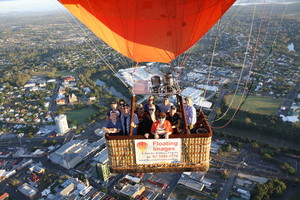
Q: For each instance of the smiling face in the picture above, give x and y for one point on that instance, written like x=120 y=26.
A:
x=113 y=116
x=151 y=109
x=161 y=118
x=114 y=106
x=151 y=100
x=173 y=111
x=126 y=109
x=188 y=102
x=166 y=101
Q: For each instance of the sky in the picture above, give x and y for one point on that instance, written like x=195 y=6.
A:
x=8 y=6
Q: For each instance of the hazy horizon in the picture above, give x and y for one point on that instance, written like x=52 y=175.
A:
x=18 y=6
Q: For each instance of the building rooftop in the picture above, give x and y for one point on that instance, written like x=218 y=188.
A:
x=102 y=157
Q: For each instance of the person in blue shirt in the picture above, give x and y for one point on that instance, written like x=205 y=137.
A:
x=113 y=125
x=190 y=112
x=125 y=121
x=165 y=105
x=114 y=108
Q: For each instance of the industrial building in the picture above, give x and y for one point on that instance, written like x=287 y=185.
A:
x=73 y=152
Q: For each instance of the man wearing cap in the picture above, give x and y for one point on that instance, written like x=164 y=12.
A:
x=121 y=105
x=165 y=105
x=190 y=112
x=125 y=120
x=113 y=105
x=174 y=118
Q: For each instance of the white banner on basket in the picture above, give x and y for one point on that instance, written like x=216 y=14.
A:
x=157 y=151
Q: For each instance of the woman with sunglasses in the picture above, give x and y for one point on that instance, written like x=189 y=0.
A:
x=162 y=128
x=146 y=123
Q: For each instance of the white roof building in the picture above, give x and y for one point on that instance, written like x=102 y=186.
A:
x=292 y=119
x=28 y=190
x=74 y=152
x=61 y=124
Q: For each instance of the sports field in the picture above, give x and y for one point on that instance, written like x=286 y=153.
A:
x=80 y=115
x=256 y=104
x=65 y=73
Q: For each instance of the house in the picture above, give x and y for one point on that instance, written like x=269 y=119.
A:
x=72 y=98
x=86 y=90
x=4 y=196
x=92 y=99
x=60 y=102
x=68 y=78
x=28 y=190
x=34 y=177
x=37 y=169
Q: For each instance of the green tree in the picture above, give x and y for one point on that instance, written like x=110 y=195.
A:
x=248 y=120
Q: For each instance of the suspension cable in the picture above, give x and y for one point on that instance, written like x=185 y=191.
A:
x=243 y=66
x=242 y=101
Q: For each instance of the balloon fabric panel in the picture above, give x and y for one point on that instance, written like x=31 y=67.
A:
x=149 y=30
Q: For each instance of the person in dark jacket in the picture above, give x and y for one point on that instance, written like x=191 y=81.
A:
x=146 y=124
x=175 y=119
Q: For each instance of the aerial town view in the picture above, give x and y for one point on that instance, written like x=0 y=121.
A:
x=148 y=99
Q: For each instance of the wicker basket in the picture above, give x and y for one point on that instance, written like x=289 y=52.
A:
x=195 y=151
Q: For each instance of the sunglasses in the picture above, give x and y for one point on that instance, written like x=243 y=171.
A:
x=160 y=118
x=151 y=109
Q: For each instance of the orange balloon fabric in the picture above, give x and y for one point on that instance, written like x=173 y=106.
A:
x=149 y=30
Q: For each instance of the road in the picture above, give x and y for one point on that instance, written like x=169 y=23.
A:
x=212 y=114
x=227 y=185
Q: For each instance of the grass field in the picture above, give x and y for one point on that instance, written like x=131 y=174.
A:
x=80 y=115
x=65 y=73
x=256 y=104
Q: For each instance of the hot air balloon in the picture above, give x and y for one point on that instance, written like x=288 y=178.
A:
x=154 y=31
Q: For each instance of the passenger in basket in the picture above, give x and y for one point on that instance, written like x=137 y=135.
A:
x=140 y=112
x=174 y=118
x=121 y=105
x=125 y=121
x=113 y=126
x=162 y=127
x=113 y=106
x=190 y=112
x=165 y=105
x=150 y=102
x=146 y=124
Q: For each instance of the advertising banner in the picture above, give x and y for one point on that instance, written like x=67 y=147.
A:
x=154 y=151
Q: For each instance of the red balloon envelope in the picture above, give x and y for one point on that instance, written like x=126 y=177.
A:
x=149 y=30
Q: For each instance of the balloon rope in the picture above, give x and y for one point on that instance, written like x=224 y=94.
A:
x=136 y=65
x=243 y=67
x=242 y=101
